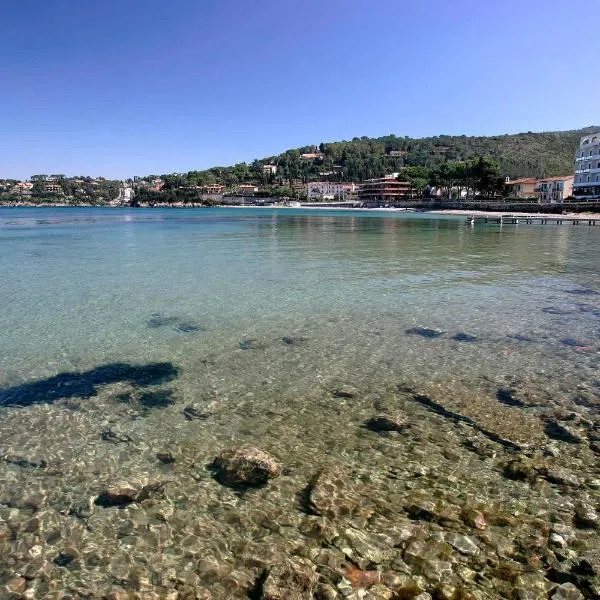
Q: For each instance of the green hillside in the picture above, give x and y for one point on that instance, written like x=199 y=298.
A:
x=523 y=154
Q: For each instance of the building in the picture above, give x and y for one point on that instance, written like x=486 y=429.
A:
x=398 y=153
x=246 y=189
x=383 y=191
x=269 y=169
x=329 y=190
x=213 y=188
x=51 y=187
x=23 y=188
x=587 y=168
x=526 y=187
x=312 y=156
x=554 y=190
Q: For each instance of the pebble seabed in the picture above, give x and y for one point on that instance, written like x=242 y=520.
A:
x=372 y=476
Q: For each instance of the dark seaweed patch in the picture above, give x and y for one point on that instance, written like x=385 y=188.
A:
x=157 y=399
x=440 y=410
x=556 y=431
x=290 y=340
x=519 y=337
x=85 y=384
x=464 y=337
x=189 y=327
x=582 y=292
x=553 y=310
x=424 y=332
x=251 y=344
x=158 y=320
x=506 y=397
x=571 y=342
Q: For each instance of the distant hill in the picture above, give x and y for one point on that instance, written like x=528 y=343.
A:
x=519 y=155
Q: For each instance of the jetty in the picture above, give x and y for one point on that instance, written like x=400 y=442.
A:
x=506 y=219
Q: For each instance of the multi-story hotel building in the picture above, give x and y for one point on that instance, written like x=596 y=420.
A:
x=384 y=191
x=587 y=168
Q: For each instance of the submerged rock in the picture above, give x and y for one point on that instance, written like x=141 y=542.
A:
x=251 y=344
x=127 y=492
x=522 y=468
x=245 y=466
x=424 y=332
x=290 y=580
x=344 y=391
x=108 y=435
x=586 y=515
x=293 y=340
x=464 y=337
x=567 y=591
x=387 y=422
x=330 y=494
x=561 y=477
x=199 y=411
x=166 y=457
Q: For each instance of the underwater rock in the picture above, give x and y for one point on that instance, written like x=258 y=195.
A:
x=108 y=435
x=561 y=477
x=474 y=518
x=344 y=391
x=386 y=422
x=290 y=580
x=251 y=344
x=166 y=457
x=424 y=332
x=66 y=557
x=293 y=340
x=365 y=549
x=199 y=411
x=586 y=516
x=330 y=494
x=462 y=543
x=521 y=468
x=24 y=461
x=123 y=493
x=567 y=591
x=245 y=466
x=464 y=337
x=187 y=327
x=157 y=320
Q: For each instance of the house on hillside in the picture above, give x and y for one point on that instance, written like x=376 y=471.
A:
x=525 y=187
x=246 y=189
x=554 y=190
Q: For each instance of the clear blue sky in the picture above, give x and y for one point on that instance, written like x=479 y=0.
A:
x=125 y=87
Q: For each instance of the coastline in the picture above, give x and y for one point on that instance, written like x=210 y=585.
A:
x=433 y=211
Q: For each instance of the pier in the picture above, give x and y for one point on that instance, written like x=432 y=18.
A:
x=505 y=219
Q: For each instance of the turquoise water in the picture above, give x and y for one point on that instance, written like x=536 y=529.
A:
x=265 y=314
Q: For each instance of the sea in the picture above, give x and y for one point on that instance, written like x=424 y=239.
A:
x=428 y=387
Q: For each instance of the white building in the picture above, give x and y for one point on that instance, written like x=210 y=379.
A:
x=329 y=190
x=269 y=169
x=587 y=168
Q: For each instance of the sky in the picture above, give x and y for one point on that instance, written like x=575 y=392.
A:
x=136 y=87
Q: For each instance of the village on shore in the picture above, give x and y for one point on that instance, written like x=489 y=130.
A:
x=477 y=184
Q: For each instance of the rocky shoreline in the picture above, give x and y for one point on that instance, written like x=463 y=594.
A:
x=492 y=511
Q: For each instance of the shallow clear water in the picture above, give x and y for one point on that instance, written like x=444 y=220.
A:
x=266 y=315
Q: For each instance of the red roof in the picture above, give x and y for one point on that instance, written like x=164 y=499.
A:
x=559 y=178
x=523 y=180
